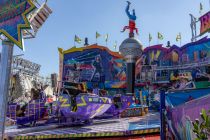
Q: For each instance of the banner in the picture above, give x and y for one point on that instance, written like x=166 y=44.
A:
x=13 y=19
x=205 y=23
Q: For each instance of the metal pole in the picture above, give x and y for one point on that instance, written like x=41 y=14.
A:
x=5 y=71
x=162 y=117
x=209 y=3
x=141 y=98
x=130 y=74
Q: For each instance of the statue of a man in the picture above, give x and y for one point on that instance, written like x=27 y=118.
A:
x=132 y=18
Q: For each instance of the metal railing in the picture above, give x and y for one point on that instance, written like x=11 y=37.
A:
x=185 y=66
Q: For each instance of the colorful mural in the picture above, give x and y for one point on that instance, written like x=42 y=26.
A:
x=92 y=64
x=170 y=63
x=160 y=55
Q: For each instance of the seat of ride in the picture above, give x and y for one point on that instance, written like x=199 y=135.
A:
x=117 y=101
x=72 y=88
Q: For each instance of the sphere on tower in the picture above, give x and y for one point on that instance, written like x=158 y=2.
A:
x=131 y=47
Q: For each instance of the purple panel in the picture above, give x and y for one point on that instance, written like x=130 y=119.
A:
x=181 y=116
x=85 y=110
x=126 y=101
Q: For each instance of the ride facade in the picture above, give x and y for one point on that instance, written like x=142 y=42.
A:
x=158 y=68
x=93 y=81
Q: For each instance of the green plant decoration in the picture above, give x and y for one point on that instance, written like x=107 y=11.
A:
x=202 y=128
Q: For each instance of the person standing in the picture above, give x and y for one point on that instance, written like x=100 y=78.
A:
x=42 y=93
x=96 y=90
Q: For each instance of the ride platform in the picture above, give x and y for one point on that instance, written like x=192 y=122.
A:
x=142 y=125
x=134 y=111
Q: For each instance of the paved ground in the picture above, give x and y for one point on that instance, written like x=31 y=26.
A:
x=101 y=127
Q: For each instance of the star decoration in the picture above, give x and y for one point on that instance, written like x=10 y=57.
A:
x=13 y=19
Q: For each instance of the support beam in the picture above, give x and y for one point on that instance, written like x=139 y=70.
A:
x=162 y=115
x=5 y=71
x=130 y=77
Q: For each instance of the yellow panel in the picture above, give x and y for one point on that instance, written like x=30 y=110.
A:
x=152 y=57
x=73 y=49
x=158 y=54
x=175 y=56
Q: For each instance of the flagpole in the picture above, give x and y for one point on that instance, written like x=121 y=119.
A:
x=149 y=39
x=201 y=9
x=116 y=47
x=209 y=3
x=74 y=40
x=96 y=38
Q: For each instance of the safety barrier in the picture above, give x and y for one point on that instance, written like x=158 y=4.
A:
x=89 y=135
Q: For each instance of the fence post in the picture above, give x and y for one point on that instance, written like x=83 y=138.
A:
x=162 y=115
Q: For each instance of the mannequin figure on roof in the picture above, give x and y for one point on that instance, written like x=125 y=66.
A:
x=132 y=18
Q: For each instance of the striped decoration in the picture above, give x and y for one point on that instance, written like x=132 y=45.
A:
x=88 y=135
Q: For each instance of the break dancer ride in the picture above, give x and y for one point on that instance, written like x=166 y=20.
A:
x=131 y=50
x=77 y=107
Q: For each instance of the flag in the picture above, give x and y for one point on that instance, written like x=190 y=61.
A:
x=150 y=37
x=178 y=37
x=115 y=45
x=201 y=8
x=77 y=39
x=97 y=35
x=160 y=36
x=106 y=37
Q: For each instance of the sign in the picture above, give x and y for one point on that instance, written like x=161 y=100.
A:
x=13 y=19
x=205 y=23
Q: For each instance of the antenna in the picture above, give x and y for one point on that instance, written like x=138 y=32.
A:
x=193 y=28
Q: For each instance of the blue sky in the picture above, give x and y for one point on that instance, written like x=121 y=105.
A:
x=85 y=17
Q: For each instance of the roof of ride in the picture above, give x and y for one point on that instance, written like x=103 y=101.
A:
x=94 y=46
x=150 y=48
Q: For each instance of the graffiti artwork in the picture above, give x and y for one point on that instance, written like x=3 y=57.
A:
x=93 y=65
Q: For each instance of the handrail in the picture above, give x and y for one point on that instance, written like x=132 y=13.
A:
x=184 y=66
